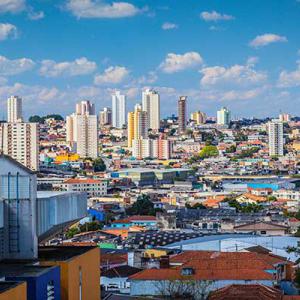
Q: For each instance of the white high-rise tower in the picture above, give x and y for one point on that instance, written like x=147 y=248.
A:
x=14 y=109
x=276 y=140
x=223 y=116
x=118 y=109
x=151 y=105
x=82 y=130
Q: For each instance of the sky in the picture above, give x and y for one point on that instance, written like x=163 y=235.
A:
x=243 y=54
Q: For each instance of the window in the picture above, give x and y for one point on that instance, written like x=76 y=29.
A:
x=187 y=271
x=263 y=232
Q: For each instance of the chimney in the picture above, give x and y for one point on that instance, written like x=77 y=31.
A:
x=164 y=262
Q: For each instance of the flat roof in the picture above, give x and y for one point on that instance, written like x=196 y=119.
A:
x=48 y=194
x=62 y=253
x=21 y=269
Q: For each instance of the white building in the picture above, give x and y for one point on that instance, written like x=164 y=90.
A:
x=21 y=142
x=82 y=130
x=223 y=116
x=151 y=105
x=14 y=109
x=276 y=141
x=105 y=116
x=118 y=109
x=93 y=187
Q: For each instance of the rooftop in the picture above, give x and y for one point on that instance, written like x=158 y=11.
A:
x=7 y=285
x=62 y=253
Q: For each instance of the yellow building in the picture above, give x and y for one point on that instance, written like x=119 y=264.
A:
x=80 y=270
x=13 y=290
x=137 y=125
x=67 y=157
x=130 y=128
x=199 y=117
x=154 y=253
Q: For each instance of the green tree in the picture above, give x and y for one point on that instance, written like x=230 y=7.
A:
x=142 y=206
x=209 y=151
x=99 y=165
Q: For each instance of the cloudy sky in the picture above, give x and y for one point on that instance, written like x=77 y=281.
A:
x=241 y=54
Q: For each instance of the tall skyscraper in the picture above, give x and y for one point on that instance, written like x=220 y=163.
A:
x=223 y=116
x=118 y=110
x=14 y=109
x=105 y=116
x=151 y=105
x=198 y=117
x=137 y=127
x=276 y=140
x=182 y=114
x=21 y=142
x=82 y=130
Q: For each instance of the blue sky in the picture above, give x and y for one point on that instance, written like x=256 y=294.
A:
x=236 y=53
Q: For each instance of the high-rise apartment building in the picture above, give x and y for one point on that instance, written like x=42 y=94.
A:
x=14 y=109
x=105 y=116
x=223 y=116
x=182 y=114
x=276 y=140
x=198 y=117
x=137 y=127
x=151 y=105
x=21 y=142
x=118 y=110
x=82 y=130
x=284 y=117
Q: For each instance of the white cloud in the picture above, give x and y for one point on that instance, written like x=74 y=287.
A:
x=80 y=66
x=241 y=95
x=7 y=31
x=215 y=16
x=13 y=67
x=101 y=9
x=169 y=26
x=179 y=62
x=266 y=39
x=12 y=6
x=289 y=79
x=252 y=60
x=112 y=75
x=237 y=74
x=35 y=15
x=149 y=78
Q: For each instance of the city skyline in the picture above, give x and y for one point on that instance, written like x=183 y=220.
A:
x=214 y=53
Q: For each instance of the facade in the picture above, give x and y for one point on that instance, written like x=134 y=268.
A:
x=276 y=141
x=118 y=110
x=79 y=270
x=82 y=130
x=21 y=142
x=198 y=117
x=43 y=282
x=151 y=105
x=223 y=116
x=14 y=109
x=56 y=210
x=182 y=114
x=93 y=187
x=13 y=290
x=137 y=125
x=105 y=117
x=18 y=193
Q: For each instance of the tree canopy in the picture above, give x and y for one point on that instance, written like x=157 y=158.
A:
x=209 y=151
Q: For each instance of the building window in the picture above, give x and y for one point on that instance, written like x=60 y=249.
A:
x=263 y=232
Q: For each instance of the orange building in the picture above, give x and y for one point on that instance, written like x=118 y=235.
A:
x=80 y=270
x=13 y=290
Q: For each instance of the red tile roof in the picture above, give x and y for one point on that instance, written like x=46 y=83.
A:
x=246 y=292
x=81 y=180
x=209 y=265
